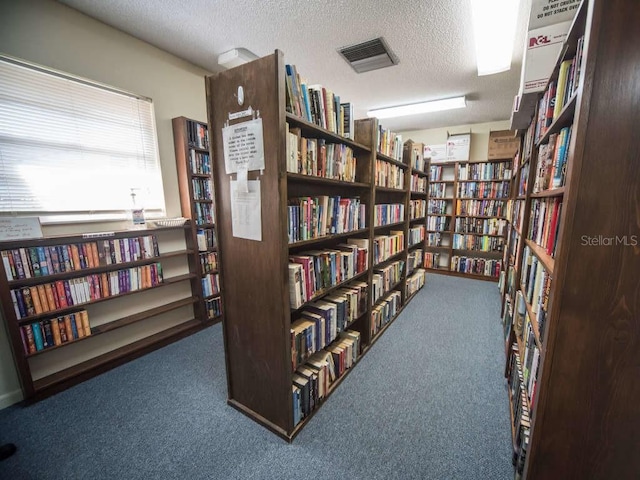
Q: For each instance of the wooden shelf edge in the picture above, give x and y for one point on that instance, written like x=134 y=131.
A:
x=327 y=291
x=563 y=120
x=334 y=236
x=290 y=117
x=554 y=192
x=327 y=181
x=546 y=260
x=534 y=321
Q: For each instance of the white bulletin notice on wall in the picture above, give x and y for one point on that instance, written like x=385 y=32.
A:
x=246 y=211
x=243 y=146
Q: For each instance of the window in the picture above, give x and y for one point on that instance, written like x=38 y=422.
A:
x=70 y=147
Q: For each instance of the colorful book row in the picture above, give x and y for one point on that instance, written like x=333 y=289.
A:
x=482 y=208
x=389 y=175
x=477 y=266
x=386 y=246
x=544 y=223
x=485 y=171
x=485 y=226
x=56 y=331
x=210 y=284
x=387 y=213
x=385 y=311
x=483 y=190
x=200 y=163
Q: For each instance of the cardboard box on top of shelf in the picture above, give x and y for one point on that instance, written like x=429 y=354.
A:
x=502 y=144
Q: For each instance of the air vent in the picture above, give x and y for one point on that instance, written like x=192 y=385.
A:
x=370 y=55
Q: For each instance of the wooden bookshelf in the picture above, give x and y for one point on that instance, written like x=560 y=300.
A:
x=194 y=164
x=586 y=377
x=91 y=271
x=259 y=314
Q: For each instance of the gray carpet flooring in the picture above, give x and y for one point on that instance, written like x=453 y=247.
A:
x=427 y=402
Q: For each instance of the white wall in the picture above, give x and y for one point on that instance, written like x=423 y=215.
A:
x=479 y=136
x=56 y=36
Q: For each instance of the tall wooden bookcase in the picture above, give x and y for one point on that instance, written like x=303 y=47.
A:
x=580 y=419
x=258 y=313
x=447 y=218
x=134 y=286
x=197 y=201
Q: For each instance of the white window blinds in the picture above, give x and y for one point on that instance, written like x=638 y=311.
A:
x=69 y=146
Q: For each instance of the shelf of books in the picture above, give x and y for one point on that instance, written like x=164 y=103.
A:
x=565 y=290
x=325 y=274
x=78 y=305
x=195 y=167
x=466 y=228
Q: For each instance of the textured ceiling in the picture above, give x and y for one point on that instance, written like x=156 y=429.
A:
x=432 y=38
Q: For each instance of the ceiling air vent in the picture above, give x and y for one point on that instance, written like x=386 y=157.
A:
x=370 y=55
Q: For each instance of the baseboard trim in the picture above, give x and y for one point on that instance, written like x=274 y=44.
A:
x=10 y=398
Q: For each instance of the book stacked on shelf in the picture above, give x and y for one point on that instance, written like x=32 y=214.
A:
x=544 y=221
x=438 y=207
x=386 y=246
x=313 y=272
x=485 y=226
x=476 y=242
x=315 y=217
x=481 y=208
x=478 y=266
x=319 y=158
x=521 y=415
x=415 y=282
x=202 y=189
x=210 y=284
x=317 y=104
x=552 y=161
x=213 y=307
x=432 y=260
x=434 y=240
x=389 y=175
x=438 y=224
x=500 y=170
x=384 y=311
x=198 y=135
x=437 y=190
x=416 y=235
x=209 y=262
x=415 y=259
x=472 y=189
x=417 y=209
x=204 y=214
x=199 y=162
x=385 y=278
x=536 y=288
x=388 y=213
x=390 y=144
x=418 y=184
x=206 y=238
x=56 y=331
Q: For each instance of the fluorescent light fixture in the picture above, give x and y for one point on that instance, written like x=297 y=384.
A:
x=494 y=27
x=235 y=57
x=415 y=108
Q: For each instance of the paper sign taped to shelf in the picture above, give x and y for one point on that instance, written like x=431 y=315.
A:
x=243 y=146
x=18 y=228
x=246 y=211
x=458 y=146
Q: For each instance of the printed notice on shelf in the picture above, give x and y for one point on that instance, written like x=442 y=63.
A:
x=437 y=153
x=246 y=211
x=19 y=228
x=243 y=146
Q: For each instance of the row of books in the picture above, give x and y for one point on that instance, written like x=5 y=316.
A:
x=415 y=259
x=482 y=208
x=485 y=171
x=198 y=135
x=536 y=287
x=314 y=217
x=48 y=297
x=438 y=206
x=387 y=213
x=208 y=262
x=418 y=162
x=319 y=158
x=213 y=307
x=384 y=278
x=523 y=181
x=320 y=322
x=438 y=224
x=435 y=173
x=389 y=175
x=386 y=246
x=544 y=222
x=517 y=213
x=202 y=189
x=432 y=260
x=434 y=239
x=385 y=311
x=31 y=262
x=416 y=235
x=204 y=213
x=418 y=184
x=312 y=272
x=415 y=282
x=486 y=226
x=417 y=209
x=210 y=284
x=478 y=266
x=437 y=190
x=479 y=243
x=519 y=407
x=483 y=190
x=558 y=93
x=551 y=168
x=389 y=143
x=530 y=357
x=318 y=105
x=200 y=163
x=206 y=238
x=312 y=381
x=53 y=332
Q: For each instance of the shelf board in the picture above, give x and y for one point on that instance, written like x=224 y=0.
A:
x=214 y=271
x=480 y=234
x=419 y=172
x=392 y=257
x=482 y=216
x=387 y=292
x=442 y=181
x=389 y=189
x=112 y=358
x=439 y=215
x=479 y=181
x=417 y=244
x=438 y=231
x=81 y=306
x=441 y=198
x=326 y=181
x=481 y=198
x=201 y=175
x=475 y=276
x=205 y=225
x=546 y=260
x=388 y=159
x=482 y=252
x=321 y=293
x=26 y=282
x=211 y=297
x=565 y=119
x=311 y=241
x=422 y=219
x=511 y=416
x=316 y=130
x=555 y=192
x=438 y=247
x=534 y=320
x=422 y=194
x=395 y=224
x=198 y=149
